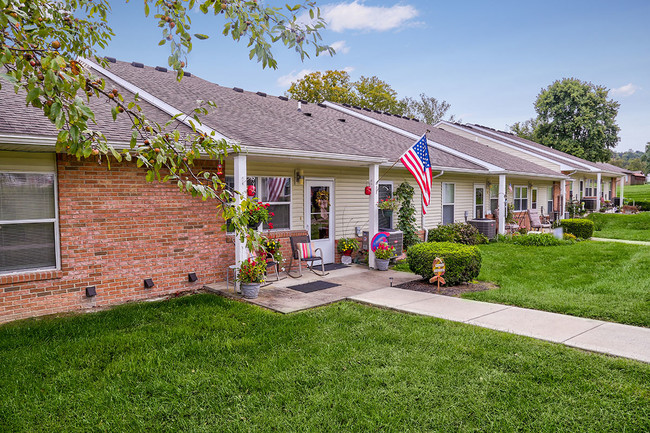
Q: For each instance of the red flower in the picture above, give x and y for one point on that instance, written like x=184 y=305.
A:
x=270 y=225
x=272 y=213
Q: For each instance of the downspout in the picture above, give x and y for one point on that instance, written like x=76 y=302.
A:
x=426 y=232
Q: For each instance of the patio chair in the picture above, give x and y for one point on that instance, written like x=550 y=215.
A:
x=509 y=227
x=302 y=250
x=536 y=222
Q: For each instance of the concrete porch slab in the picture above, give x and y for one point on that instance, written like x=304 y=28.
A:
x=537 y=324
x=615 y=339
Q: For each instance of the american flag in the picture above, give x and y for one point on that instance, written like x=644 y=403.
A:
x=276 y=187
x=416 y=160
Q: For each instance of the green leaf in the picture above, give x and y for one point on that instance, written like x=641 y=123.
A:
x=200 y=36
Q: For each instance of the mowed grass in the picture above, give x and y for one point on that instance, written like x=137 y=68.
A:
x=618 y=226
x=204 y=364
x=636 y=192
x=600 y=280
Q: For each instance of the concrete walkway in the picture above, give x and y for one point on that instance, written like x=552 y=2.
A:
x=588 y=334
x=623 y=241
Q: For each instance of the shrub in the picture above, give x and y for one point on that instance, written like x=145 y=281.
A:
x=536 y=239
x=579 y=227
x=569 y=237
x=460 y=233
x=462 y=262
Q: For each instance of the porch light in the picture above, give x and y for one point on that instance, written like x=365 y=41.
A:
x=148 y=283
x=191 y=277
x=91 y=291
x=299 y=176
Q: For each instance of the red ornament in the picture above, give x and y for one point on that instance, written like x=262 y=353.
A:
x=251 y=190
x=368 y=190
x=219 y=169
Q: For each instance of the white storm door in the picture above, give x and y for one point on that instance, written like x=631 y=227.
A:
x=319 y=216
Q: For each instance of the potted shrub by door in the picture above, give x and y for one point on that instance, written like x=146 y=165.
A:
x=383 y=254
x=346 y=246
x=252 y=273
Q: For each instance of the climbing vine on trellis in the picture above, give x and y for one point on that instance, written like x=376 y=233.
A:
x=406 y=219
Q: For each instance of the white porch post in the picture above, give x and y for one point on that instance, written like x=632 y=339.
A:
x=502 y=204
x=239 y=166
x=599 y=188
x=622 y=180
x=562 y=198
x=373 y=218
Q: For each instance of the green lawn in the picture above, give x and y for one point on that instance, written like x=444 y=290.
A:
x=204 y=363
x=636 y=192
x=600 y=280
x=618 y=226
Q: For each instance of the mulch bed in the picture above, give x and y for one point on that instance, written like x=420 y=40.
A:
x=425 y=286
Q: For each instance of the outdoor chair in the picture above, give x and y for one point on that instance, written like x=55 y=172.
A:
x=509 y=227
x=536 y=222
x=302 y=250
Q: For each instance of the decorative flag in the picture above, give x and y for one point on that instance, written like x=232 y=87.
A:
x=416 y=160
x=510 y=188
x=276 y=187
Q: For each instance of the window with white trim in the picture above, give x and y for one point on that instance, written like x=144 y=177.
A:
x=385 y=219
x=28 y=221
x=549 y=202
x=273 y=190
x=448 y=202
x=521 y=198
x=533 y=198
x=479 y=201
x=494 y=198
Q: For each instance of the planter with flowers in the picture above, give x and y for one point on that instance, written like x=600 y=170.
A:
x=383 y=254
x=388 y=206
x=346 y=246
x=271 y=248
x=258 y=214
x=252 y=273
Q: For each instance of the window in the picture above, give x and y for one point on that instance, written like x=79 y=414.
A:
x=479 y=201
x=385 y=220
x=533 y=198
x=28 y=221
x=521 y=198
x=494 y=198
x=582 y=187
x=550 y=200
x=448 y=200
x=590 y=190
x=277 y=192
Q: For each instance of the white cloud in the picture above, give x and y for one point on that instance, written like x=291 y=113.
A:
x=627 y=90
x=286 y=80
x=358 y=16
x=349 y=69
x=340 y=47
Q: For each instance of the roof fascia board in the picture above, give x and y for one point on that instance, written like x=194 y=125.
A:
x=551 y=154
x=563 y=166
x=158 y=103
x=487 y=165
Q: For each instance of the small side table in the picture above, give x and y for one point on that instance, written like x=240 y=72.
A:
x=233 y=269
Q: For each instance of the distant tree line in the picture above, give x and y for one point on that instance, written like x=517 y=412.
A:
x=633 y=160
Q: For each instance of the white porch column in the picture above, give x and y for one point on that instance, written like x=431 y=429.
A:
x=502 y=204
x=239 y=166
x=622 y=180
x=373 y=218
x=599 y=188
x=562 y=198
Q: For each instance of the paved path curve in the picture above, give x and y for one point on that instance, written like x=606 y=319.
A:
x=623 y=241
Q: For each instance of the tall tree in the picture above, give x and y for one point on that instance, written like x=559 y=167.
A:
x=334 y=86
x=646 y=158
x=42 y=40
x=377 y=94
x=577 y=118
x=427 y=109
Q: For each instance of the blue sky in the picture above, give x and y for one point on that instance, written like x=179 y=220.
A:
x=488 y=59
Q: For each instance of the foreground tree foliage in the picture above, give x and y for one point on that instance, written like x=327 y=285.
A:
x=575 y=117
x=367 y=92
x=42 y=47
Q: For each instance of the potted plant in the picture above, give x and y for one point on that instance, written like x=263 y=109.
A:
x=388 y=206
x=251 y=274
x=383 y=254
x=258 y=214
x=271 y=247
x=346 y=246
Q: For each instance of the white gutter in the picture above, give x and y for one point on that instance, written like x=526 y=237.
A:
x=162 y=105
x=487 y=165
x=551 y=154
x=563 y=167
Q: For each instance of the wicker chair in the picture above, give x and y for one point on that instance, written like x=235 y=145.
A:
x=302 y=251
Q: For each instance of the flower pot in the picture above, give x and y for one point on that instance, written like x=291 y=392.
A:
x=346 y=260
x=382 y=264
x=250 y=290
x=387 y=213
x=255 y=225
x=347 y=253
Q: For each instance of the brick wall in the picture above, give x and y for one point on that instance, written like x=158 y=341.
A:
x=116 y=230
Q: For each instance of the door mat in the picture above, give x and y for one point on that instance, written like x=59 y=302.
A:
x=334 y=266
x=313 y=286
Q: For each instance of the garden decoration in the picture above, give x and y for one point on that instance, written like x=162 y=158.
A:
x=323 y=201
x=378 y=239
x=368 y=190
x=438 y=271
x=251 y=190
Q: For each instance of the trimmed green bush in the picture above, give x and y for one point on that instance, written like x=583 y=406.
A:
x=579 y=227
x=460 y=233
x=462 y=262
x=535 y=239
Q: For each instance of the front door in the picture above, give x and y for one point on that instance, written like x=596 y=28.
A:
x=319 y=216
